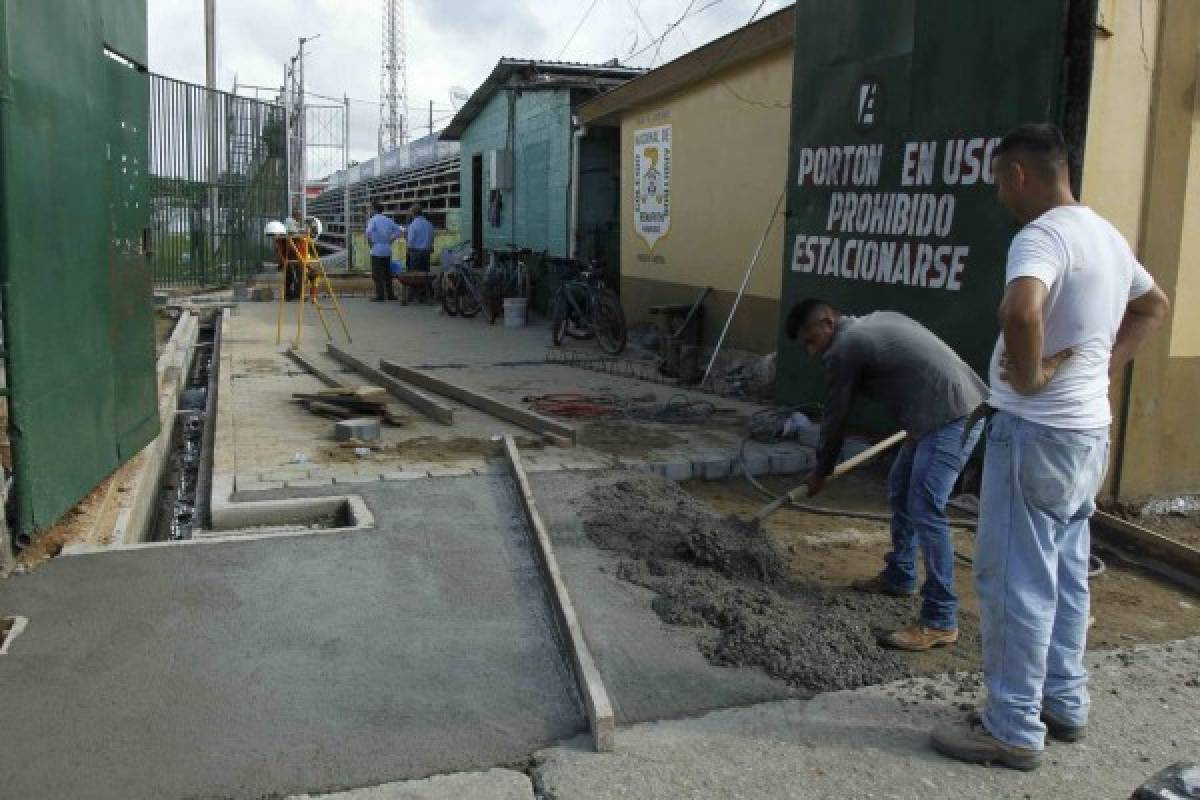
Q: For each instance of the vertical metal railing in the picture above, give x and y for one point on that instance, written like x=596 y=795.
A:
x=207 y=145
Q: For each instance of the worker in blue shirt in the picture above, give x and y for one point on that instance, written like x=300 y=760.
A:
x=381 y=232
x=420 y=240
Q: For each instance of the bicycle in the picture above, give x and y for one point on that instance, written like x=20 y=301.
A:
x=584 y=307
x=462 y=287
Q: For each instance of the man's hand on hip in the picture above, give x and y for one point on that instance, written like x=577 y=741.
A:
x=1041 y=377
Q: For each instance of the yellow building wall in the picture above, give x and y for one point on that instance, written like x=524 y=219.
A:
x=729 y=164
x=1142 y=172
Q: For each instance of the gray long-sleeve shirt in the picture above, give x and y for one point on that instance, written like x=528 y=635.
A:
x=898 y=362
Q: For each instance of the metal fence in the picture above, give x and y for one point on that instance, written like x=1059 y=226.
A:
x=218 y=174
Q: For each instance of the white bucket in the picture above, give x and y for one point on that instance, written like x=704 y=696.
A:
x=515 y=312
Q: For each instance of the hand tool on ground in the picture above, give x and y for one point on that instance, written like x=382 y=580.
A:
x=838 y=471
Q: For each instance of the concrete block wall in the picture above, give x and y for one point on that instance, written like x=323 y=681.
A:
x=535 y=215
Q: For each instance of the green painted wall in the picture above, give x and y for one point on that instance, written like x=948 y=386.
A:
x=895 y=103
x=535 y=215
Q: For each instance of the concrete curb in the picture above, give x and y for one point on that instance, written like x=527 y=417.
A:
x=560 y=433
x=133 y=520
x=591 y=684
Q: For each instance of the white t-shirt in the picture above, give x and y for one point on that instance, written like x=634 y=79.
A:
x=1091 y=274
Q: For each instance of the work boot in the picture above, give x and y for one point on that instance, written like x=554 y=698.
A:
x=1055 y=729
x=972 y=743
x=917 y=638
x=878 y=584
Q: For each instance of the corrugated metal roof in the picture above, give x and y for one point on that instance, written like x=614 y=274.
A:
x=599 y=76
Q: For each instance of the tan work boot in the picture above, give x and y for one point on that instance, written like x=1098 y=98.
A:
x=972 y=743
x=917 y=638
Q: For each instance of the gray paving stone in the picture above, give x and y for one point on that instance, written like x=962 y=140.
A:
x=404 y=475
x=359 y=478
x=362 y=428
x=674 y=470
x=714 y=469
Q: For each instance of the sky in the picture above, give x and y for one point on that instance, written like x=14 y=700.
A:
x=452 y=44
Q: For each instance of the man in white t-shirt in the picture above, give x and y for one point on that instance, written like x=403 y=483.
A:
x=1077 y=305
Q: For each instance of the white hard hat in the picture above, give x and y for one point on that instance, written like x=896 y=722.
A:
x=315 y=226
x=275 y=228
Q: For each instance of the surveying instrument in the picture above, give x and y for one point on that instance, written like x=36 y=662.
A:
x=297 y=249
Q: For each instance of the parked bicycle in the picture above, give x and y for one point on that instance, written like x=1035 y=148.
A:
x=584 y=307
x=462 y=286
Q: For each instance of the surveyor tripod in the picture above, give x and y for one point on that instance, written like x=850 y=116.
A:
x=301 y=250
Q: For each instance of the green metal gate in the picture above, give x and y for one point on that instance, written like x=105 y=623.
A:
x=896 y=107
x=217 y=176
x=76 y=285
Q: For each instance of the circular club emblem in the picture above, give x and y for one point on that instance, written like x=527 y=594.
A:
x=868 y=103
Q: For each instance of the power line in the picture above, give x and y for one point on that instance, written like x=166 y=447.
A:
x=725 y=53
x=582 y=20
x=688 y=14
x=371 y=102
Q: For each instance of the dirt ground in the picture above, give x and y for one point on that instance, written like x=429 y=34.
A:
x=1129 y=605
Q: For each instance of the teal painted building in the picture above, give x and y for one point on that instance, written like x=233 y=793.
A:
x=517 y=135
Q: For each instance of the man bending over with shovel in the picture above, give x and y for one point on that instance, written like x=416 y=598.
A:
x=930 y=392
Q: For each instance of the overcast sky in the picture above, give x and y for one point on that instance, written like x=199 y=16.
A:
x=451 y=43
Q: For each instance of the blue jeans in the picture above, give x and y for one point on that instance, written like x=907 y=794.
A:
x=1031 y=565
x=919 y=485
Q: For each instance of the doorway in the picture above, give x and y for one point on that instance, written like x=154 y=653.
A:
x=477 y=202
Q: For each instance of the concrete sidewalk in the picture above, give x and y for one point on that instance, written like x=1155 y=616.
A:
x=873 y=743
x=266 y=441
x=287 y=665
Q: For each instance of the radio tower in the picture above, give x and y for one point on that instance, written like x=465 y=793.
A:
x=393 y=79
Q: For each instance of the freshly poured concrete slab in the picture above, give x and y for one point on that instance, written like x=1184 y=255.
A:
x=288 y=665
x=652 y=671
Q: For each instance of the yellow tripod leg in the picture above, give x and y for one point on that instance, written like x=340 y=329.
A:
x=337 y=306
x=282 y=306
x=303 y=298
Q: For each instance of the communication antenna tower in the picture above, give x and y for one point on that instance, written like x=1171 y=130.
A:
x=393 y=79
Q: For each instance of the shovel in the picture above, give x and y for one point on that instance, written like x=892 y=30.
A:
x=841 y=469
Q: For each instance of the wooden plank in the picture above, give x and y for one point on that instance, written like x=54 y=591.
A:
x=1140 y=539
x=562 y=434
x=418 y=400
x=591 y=683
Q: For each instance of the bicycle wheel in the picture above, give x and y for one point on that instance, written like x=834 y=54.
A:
x=468 y=300
x=558 y=319
x=451 y=286
x=608 y=321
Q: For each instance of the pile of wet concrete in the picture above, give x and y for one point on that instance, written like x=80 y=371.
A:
x=725 y=578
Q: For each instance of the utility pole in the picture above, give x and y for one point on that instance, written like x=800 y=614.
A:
x=210 y=79
x=431 y=118
x=303 y=140
x=346 y=184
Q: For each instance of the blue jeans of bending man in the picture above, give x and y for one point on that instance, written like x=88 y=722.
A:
x=919 y=485
x=1031 y=565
